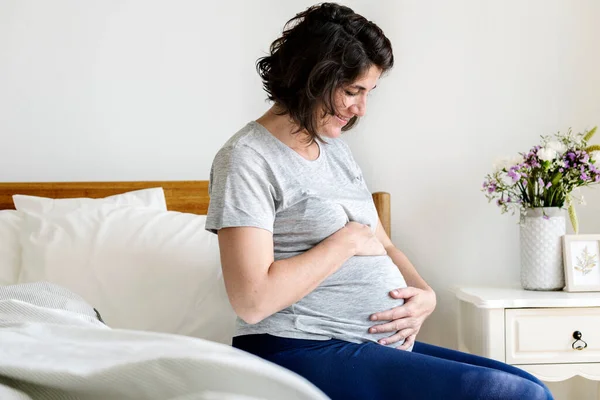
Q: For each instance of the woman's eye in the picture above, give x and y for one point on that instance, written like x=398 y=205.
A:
x=349 y=93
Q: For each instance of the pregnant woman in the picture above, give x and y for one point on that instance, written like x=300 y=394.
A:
x=317 y=284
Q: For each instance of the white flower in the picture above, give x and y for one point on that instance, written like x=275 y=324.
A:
x=500 y=163
x=506 y=162
x=517 y=160
x=546 y=154
x=507 y=180
x=557 y=146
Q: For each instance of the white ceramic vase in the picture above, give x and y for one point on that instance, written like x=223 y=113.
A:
x=541 y=233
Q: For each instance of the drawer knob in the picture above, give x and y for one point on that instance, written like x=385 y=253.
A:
x=578 y=338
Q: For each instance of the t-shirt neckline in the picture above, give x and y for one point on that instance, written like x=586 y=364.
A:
x=280 y=143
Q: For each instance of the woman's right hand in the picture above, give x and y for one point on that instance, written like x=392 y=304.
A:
x=363 y=239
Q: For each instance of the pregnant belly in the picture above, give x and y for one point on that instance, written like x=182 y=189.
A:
x=340 y=307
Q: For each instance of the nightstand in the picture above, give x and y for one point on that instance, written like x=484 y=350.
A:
x=535 y=331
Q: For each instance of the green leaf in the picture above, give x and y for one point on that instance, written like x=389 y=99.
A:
x=556 y=178
x=546 y=164
x=589 y=135
x=573 y=218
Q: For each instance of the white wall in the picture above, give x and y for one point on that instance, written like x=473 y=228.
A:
x=149 y=90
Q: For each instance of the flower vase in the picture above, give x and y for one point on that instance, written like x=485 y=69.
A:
x=541 y=232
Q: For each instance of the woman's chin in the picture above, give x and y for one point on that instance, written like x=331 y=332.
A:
x=332 y=132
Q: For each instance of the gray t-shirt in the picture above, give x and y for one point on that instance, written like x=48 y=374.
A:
x=256 y=180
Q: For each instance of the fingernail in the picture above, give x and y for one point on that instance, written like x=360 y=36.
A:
x=395 y=293
x=373 y=330
x=382 y=342
x=373 y=317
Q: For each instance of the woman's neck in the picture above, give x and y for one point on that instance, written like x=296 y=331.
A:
x=283 y=128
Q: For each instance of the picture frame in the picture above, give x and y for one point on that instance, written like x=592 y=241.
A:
x=581 y=259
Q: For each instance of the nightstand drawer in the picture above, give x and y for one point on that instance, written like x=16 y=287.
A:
x=545 y=335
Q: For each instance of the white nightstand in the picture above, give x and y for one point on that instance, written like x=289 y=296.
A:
x=532 y=330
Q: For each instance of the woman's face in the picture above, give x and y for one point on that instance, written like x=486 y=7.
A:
x=350 y=100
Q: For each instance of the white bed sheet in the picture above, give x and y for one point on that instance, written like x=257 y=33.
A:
x=58 y=350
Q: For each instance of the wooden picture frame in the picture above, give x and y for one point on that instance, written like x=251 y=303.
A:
x=581 y=259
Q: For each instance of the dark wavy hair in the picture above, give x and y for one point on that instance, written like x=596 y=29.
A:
x=321 y=49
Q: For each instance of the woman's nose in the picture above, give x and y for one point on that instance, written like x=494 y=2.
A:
x=360 y=108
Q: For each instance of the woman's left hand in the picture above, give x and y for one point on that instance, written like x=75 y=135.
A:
x=405 y=320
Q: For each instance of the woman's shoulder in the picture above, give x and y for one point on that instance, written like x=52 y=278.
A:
x=248 y=136
x=246 y=148
x=247 y=140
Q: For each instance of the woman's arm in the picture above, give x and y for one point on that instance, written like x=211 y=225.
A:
x=258 y=286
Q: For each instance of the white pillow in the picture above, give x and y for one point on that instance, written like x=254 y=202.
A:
x=10 y=248
x=141 y=268
x=152 y=198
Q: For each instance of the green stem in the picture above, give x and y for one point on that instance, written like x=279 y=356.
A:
x=550 y=198
x=523 y=192
x=531 y=193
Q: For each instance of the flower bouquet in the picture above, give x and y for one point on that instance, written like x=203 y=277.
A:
x=539 y=184
x=546 y=176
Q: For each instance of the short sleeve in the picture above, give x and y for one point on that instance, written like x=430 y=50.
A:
x=241 y=190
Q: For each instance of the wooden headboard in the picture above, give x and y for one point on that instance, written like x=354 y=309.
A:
x=184 y=196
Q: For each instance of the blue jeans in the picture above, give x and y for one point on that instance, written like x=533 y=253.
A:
x=370 y=371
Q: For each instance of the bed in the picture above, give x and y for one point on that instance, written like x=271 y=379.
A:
x=99 y=323
x=184 y=196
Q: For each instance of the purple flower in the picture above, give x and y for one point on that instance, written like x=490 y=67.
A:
x=561 y=170
x=597 y=178
x=548 y=185
x=540 y=181
x=584 y=177
x=546 y=217
x=514 y=175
